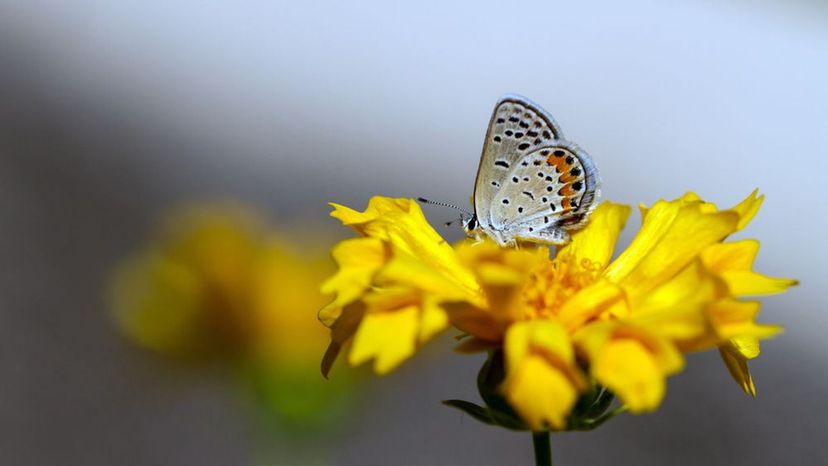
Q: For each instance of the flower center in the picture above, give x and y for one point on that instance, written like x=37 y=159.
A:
x=555 y=282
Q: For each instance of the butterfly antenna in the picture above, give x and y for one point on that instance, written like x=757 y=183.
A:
x=448 y=224
x=443 y=204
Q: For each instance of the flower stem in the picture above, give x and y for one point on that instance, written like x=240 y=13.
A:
x=543 y=449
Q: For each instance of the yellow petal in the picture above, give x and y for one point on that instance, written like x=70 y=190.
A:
x=737 y=366
x=628 y=369
x=733 y=261
x=358 y=259
x=756 y=284
x=401 y=223
x=547 y=335
x=433 y=320
x=589 y=303
x=748 y=208
x=542 y=380
x=396 y=321
x=693 y=285
x=540 y=393
x=502 y=274
x=677 y=309
x=734 y=319
x=747 y=347
x=629 y=360
x=480 y=322
x=387 y=337
x=498 y=266
x=378 y=206
x=411 y=271
x=731 y=256
x=672 y=235
x=596 y=242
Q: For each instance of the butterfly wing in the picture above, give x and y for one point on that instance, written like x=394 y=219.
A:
x=548 y=191
x=517 y=127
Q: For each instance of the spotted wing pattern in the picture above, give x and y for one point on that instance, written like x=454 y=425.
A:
x=517 y=127
x=547 y=191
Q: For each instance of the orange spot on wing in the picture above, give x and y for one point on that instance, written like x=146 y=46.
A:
x=557 y=162
x=567 y=190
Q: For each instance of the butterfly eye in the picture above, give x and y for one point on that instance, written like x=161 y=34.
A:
x=472 y=223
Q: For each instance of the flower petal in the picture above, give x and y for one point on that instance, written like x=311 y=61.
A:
x=734 y=319
x=378 y=206
x=630 y=361
x=596 y=242
x=389 y=338
x=540 y=393
x=589 y=303
x=736 y=364
x=630 y=371
x=733 y=261
x=358 y=259
x=756 y=284
x=748 y=208
x=542 y=380
x=411 y=271
x=672 y=235
x=433 y=320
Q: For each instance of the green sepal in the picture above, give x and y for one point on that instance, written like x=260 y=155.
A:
x=478 y=412
x=589 y=412
x=602 y=403
x=489 y=379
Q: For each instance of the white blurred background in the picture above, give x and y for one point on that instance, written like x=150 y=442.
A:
x=111 y=111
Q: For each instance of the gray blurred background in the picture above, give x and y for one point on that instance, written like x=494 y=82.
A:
x=112 y=111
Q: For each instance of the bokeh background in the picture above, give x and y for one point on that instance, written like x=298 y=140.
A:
x=110 y=112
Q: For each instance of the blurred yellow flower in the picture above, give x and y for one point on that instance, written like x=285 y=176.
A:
x=563 y=323
x=216 y=285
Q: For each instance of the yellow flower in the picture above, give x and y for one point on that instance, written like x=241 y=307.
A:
x=187 y=293
x=558 y=320
x=216 y=286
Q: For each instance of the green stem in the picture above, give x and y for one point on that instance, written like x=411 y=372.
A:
x=543 y=449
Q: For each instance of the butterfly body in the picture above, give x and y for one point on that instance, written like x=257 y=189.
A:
x=532 y=185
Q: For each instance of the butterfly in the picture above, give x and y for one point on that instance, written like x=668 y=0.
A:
x=532 y=185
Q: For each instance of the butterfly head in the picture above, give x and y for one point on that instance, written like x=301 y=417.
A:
x=468 y=220
x=471 y=226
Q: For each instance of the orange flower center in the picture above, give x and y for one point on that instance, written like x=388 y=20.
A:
x=555 y=282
